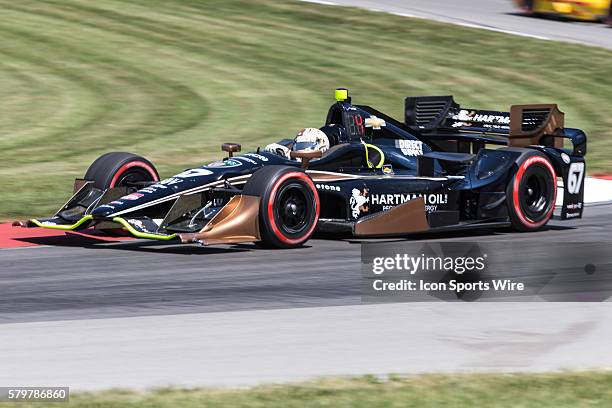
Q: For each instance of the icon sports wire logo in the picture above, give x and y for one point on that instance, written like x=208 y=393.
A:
x=414 y=264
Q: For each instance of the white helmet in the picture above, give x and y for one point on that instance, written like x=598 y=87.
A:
x=311 y=139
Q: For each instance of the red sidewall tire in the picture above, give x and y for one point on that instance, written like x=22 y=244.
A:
x=270 y=209
x=519 y=218
x=112 y=169
x=282 y=189
x=130 y=165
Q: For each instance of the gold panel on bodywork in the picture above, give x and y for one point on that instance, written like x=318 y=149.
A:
x=237 y=221
x=552 y=125
x=319 y=176
x=406 y=218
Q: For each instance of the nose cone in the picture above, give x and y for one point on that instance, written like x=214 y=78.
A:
x=104 y=211
x=119 y=204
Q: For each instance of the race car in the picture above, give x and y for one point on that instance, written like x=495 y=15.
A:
x=444 y=167
x=589 y=10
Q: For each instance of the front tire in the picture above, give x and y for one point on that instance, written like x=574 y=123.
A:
x=289 y=205
x=531 y=193
x=120 y=169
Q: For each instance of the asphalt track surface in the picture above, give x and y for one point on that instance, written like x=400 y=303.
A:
x=497 y=15
x=266 y=346
x=72 y=278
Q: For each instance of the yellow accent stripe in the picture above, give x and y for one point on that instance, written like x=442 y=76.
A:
x=143 y=235
x=63 y=227
x=382 y=155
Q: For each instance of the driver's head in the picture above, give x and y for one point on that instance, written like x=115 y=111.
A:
x=311 y=139
x=335 y=134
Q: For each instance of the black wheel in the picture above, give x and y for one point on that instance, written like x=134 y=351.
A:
x=532 y=192
x=120 y=169
x=289 y=206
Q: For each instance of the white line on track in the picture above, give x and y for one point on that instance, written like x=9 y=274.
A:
x=492 y=15
x=435 y=18
x=326 y=3
x=499 y=30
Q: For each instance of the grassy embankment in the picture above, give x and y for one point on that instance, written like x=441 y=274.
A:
x=440 y=391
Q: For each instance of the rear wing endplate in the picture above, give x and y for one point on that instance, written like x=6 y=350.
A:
x=536 y=125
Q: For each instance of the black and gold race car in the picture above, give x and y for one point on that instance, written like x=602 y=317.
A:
x=444 y=167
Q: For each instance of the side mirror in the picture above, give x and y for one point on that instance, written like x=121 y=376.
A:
x=231 y=148
x=306 y=156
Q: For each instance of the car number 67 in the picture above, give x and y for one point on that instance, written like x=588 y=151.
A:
x=575 y=177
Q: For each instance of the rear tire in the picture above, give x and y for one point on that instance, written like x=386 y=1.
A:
x=531 y=193
x=118 y=169
x=289 y=206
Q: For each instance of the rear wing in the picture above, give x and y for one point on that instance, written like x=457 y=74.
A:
x=524 y=125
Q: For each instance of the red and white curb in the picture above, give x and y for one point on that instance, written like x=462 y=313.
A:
x=597 y=190
x=18 y=237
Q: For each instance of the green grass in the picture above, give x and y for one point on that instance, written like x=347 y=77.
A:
x=440 y=391
x=172 y=79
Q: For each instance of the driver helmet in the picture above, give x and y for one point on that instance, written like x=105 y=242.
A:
x=310 y=139
x=336 y=134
